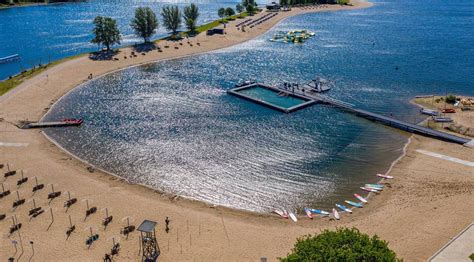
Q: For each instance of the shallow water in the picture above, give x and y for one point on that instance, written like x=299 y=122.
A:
x=40 y=34
x=171 y=125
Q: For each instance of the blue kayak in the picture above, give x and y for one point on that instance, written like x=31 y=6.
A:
x=352 y=203
x=318 y=211
x=343 y=208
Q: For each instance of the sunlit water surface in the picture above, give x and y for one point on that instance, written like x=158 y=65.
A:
x=171 y=125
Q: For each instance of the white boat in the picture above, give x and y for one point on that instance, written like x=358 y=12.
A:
x=10 y=58
x=318 y=85
x=292 y=216
x=429 y=112
x=335 y=214
x=384 y=176
x=360 y=198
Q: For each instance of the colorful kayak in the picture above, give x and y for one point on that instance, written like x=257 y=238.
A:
x=281 y=213
x=335 y=214
x=360 y=198
x=293 y=217
x=354 y=204
x=385 y=176
x=308 y=213
x=344 y=208
x=373 y=187
x=319 y=212
x=369 y=189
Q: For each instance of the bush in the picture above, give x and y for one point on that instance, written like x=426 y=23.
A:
x=451 y=99
x=344 y=244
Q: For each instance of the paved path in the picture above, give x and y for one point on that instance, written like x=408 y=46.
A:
x=458 y=249
x=445 y=157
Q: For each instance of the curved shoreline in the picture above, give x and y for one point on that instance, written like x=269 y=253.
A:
x=358 y=5
x=197 y=229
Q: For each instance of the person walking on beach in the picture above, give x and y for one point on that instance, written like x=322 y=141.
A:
x=167 y=223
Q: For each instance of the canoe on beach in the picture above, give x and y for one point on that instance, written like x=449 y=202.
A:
x=385 y=176
x=373 y=190
x=355 y=204
x=344 y=208
x=360 y=198
x=293 y=217
x=308 y=213
x=335 y=214
x=319 y=212
x=281 y=213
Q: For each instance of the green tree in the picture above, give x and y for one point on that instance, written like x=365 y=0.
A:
x=229 y=12
x=171 y=18
x=344 y=244
x=190 y=15
x=106 y=32
x=250 y=9
x=145 y=23
x=221 y=13
x=240 y=9
x=246 y=3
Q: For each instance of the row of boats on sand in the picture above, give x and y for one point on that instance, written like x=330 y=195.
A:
x=334 y=214
x=436 y=115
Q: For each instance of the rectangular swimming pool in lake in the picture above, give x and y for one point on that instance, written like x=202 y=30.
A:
x=272 y=97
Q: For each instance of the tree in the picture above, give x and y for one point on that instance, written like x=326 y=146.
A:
x=250 y=9
x=344 y=244
x=221 y=13
x=171 y=18
x=246 y=3
x=240 y=9
x=229 y=12
x=145 y=23
x=106 y=32
x=190 y=15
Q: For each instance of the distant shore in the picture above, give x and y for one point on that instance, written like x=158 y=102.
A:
x=406 y=213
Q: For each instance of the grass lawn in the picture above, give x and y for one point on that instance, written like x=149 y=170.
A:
x=11 y=83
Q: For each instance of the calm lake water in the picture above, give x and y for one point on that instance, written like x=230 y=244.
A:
x=40 y=34
x=171 y=125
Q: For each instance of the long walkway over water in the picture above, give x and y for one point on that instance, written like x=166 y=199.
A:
x=389 y=121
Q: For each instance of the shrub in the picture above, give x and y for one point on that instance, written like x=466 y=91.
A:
x=451 y=99
x=344 y=244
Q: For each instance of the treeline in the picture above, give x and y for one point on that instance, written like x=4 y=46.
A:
x=312 y=2
x=145 y=23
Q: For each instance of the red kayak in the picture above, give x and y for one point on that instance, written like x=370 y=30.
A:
x=448 y=110
x=73 y=121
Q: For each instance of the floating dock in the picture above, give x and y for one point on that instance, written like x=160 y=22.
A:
x=389 y=121
x=311 y=98
x=280 y=94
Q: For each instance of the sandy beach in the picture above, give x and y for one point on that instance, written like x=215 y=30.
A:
x=428 y=202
